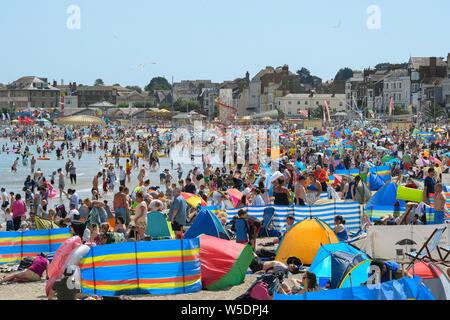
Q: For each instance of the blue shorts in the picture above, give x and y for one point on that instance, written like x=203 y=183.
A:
x=9 y=225
x=439 y=217
x=121 y=212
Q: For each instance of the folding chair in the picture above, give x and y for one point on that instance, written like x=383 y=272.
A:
x=268 y=216
x=428 y=247
x=446 y=249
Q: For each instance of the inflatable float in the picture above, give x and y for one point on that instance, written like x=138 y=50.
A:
x=43 y=158
x=62 y=256
x=409 y=194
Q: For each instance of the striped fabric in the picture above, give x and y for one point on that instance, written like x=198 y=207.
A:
x=351 y=172
x=350 y=211
x=155 y=267
x=447 y=195
x=384 y=172
x=326 y=212
x=14 y=246
x=378 y=212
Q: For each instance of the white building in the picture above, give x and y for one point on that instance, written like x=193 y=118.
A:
x=293 y=104
x=397 y=85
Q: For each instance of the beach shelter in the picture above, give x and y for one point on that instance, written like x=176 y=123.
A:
x=342 y=265
x=403 y=289
x=158 y=227
x=223 y=263
x=304 y=240
x=433 y=278
x=375 y=182
x=385 y=197
x=206 y=223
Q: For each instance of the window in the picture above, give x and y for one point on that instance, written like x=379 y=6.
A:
x=399 y=85
x=298 y=102
x=279 y=103
x=340 y=104
x=289 y=102
x=399 y=96
x=395 y=86
x=317 y=103
x=306 y=102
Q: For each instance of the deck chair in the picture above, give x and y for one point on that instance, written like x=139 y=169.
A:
x=428 y=247
x=446 y=249
x=158 y=227
x=268 y=215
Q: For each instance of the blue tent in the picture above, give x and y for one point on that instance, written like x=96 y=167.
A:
x=386 y=197
x=403 y=289
x=375 y=182
x=342 y=264
x=206 y=223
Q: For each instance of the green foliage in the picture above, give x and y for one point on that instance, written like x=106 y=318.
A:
x=99 y=82
x=134 y=88
x=186 y=105
x=343 y=74
x=158 y=83
x=316 y=113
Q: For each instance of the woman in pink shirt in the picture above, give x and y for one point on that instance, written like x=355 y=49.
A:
x=19 y=210
x=33 y=273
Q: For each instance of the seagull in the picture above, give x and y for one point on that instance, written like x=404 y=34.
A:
x=338 y=25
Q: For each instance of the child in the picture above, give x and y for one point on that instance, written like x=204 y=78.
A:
x=9 y=220
x=120 y=226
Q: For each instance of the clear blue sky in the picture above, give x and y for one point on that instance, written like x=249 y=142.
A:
x=210 y=39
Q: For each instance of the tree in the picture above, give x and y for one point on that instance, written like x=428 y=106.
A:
x=432 y=112
x=316 y=113
x=158 y=83
x=116 y=85
x=343 y=74
x=305 y=77
x=134 y=88
x=99 y=82
x=186 y=105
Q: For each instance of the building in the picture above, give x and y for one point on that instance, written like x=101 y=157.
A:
x=269 y=84
x=352 y=89
x=446 y=87
x=421 y=69
x=30 y=92
x=88 y=95
x=237 y=94
x=397 y=85
x=207 y=100
x=296 y=105
x=191 y=89
x=135 y=98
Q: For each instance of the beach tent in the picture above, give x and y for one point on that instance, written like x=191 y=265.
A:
x=341 y=264
x=375 y=182
x=433 y=278
x=385 y=197
x=304 y=240
x=223 y=263
x=403 y=289
x=206 y=223
x=158 y=227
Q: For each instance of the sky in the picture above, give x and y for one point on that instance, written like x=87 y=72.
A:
x=129 y=42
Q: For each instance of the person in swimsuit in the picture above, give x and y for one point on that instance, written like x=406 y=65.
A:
x=281 y=193
x=32 y=274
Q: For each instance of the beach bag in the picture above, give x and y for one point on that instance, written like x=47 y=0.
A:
x=260 y=291
x=265 y=287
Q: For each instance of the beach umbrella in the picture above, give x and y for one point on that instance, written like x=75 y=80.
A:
x=193 y=200
x=436 y=161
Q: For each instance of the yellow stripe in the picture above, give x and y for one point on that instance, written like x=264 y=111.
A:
x=140 y=255
x=120 y=287
x=34 y=238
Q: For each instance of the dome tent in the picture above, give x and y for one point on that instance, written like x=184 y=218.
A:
x=304 y=240
x=206 y=223
x=341 y=264
x=433 y=277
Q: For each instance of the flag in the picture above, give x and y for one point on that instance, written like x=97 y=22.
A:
x=391 y=106
x=3 y=117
